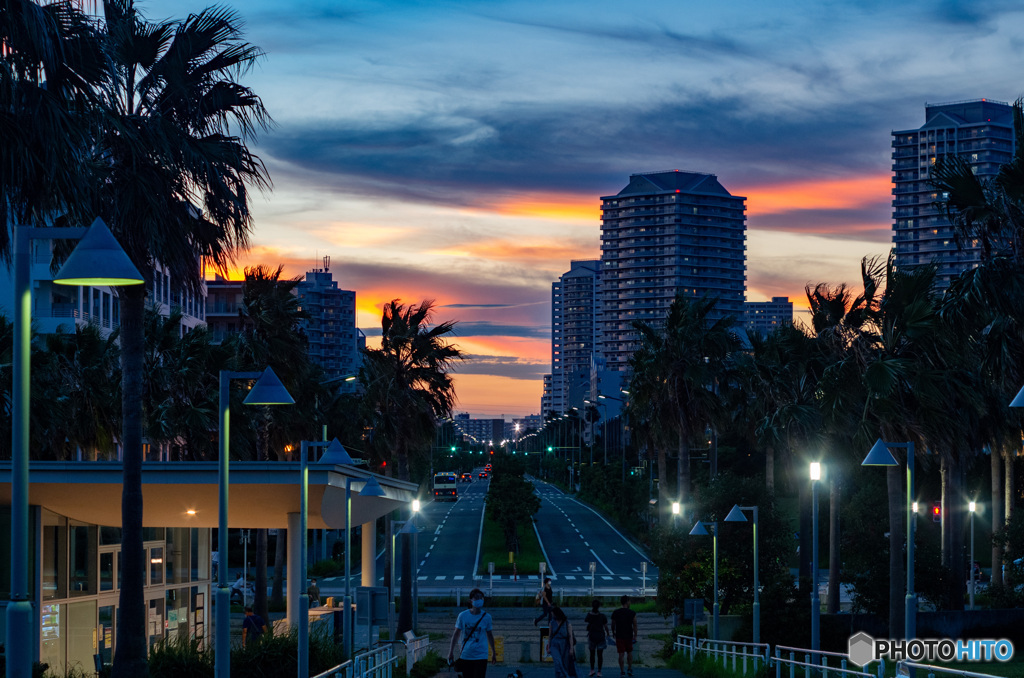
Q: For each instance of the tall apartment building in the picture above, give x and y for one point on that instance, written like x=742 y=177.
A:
x=223 y=301
x=664 y=234
x=334 y=339
x=980 y=132
x=762 y=317
x=575 y=310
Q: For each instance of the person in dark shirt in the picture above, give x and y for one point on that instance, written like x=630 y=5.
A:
x=253 y=626
x=547 y=601
x=597 y=635
x=625 y=632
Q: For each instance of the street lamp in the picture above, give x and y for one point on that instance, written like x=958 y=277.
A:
x=676 y=508
x=700 y=530
x=972 y=507
x=815 y=601
x=736 y=516
x=268 y=390
x=97 y=252
x=881 y=456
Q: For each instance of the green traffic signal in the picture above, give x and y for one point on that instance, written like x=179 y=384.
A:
x=550 y=449
x=453 y=448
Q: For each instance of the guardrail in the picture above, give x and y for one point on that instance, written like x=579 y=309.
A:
x=376 y=663
x=938 y=671
x=811 y=663
x=415 y=650
x=738 y=654
x=817 y=661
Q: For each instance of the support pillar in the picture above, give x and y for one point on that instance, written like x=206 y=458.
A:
x=369 y=554
x=293 y=588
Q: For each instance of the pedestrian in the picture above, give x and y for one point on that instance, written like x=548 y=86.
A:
x=625 y=632
x=562 y=644
x=597 y=635
x=314 y=594
x=475 y=627
x=546 y=599
x=253 y=626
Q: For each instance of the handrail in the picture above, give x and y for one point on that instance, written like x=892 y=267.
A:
x=943 y=669
x=344 y=669
x=816 y=660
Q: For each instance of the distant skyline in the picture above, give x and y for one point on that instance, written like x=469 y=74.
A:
x=457 y=151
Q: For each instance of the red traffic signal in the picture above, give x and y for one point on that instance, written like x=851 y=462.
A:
x=936 y=511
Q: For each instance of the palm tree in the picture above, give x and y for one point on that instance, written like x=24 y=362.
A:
x=674 y=369
x=407 y=381
x=174 y=166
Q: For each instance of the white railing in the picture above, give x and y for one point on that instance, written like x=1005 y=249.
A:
x=415 y=650
x=339 y=671
x=938 y=671
x=816 y=663
x=743 y=657
x=376 y=663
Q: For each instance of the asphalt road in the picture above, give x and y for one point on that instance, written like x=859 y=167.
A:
x=574 y=535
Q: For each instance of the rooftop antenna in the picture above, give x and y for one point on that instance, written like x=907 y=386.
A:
x=327 y=263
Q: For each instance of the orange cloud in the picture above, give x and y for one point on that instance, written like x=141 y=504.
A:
x=557 y=206
x=490 y=396
x=817 y=194
x=507 y=250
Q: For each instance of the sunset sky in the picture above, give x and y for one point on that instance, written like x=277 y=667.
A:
x=457 y=151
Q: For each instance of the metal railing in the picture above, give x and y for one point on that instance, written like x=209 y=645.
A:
x=376 y=663
x=938 y=671
x=816 y=663
x=742 y=657
x=415 y=650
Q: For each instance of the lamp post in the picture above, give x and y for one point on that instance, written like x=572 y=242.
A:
x=700 y=530
x=676 y=508
x=98 y=252
x=879 y=455
x=371 y=489
x=736 y=515
x=268 y=390
x=972 y=506
x=815 y=601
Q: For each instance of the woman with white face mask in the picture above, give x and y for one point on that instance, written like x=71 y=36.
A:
x=475 y=627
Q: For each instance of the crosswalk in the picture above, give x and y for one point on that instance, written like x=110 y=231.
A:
x=576 y=579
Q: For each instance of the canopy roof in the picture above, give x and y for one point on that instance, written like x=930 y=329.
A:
x=261 y=494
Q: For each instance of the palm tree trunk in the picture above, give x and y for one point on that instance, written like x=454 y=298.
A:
x=833 y=547
x=130 y=658
x=663 y=500
x=897 y=536
x=769 y=470
x=683 y=473
x=1008 y=494
x=944 y=494
x=958 y=555
x=280 y=552
x=998 y=516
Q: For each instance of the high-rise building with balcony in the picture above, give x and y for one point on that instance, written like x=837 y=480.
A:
x=574 y=316
x=978 y=131
x=334 y=339
x=667 y=233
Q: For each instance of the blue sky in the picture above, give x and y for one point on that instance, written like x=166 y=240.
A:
x=457 y=150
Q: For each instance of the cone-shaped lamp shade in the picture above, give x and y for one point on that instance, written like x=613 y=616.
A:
x=99 y=261
x=409 y=528
x=699 y=530
x=736 y=515
x=268 y=390
x=1019 y=400
x=372 y=488
x=336 y=454
x=879 y=456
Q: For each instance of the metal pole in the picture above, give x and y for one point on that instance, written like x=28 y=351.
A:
x=303 y=663
x=911 y=612
x=222 y=598
x=714 y=547
x=972 y=560
x=19 y=611
x=757 y=586
x=815 y=602
x=347 y=613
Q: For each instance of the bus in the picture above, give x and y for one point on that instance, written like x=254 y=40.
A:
x=445 y=486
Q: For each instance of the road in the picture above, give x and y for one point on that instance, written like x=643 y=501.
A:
x=574 y=535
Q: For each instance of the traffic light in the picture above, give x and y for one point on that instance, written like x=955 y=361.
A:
x=550 y=449
x=492 y=451
x=936 y=511
x=453 y=448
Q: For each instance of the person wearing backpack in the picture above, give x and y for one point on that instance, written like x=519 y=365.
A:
x=475 y=627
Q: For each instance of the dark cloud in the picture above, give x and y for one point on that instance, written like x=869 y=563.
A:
x=869 y=223
x=503 y=366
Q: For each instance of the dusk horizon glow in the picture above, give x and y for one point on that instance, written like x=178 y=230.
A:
x=457 y=151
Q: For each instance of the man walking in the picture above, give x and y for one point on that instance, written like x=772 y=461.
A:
x=625 y=632
x=546 y=598
x=253 y=626
x=313 y=592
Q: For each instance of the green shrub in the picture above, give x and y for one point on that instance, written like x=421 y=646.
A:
x=430 y=665
x=180 y=657
x=326 y=568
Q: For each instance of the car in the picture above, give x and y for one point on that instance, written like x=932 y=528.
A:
x=483 y=474
x=466 y=477
x=487 y=468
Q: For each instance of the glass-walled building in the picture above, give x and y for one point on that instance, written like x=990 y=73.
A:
x=77 y=585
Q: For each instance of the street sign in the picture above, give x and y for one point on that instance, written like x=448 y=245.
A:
x=643 y=566
x=593 y=566
x=543 y=568
x=490 y=568
x=372 y=605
